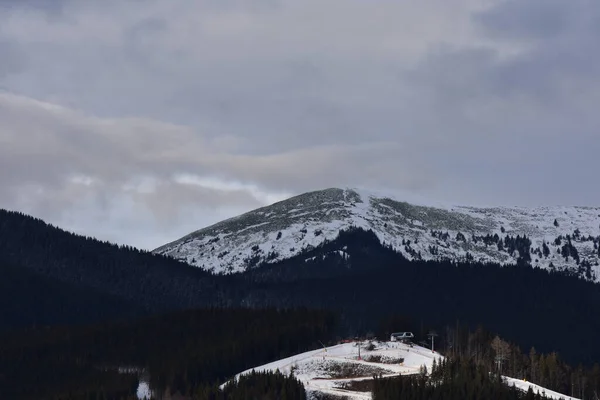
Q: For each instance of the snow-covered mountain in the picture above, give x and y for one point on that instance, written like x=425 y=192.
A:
x=562 y=238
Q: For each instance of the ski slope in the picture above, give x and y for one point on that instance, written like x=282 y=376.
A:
x=327 y=370
x=330 y=369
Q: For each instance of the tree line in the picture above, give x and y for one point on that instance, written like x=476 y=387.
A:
x=450 y=379
x=503 y=357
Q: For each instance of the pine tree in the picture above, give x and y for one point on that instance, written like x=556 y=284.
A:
x=533 y=362
x=546 y=249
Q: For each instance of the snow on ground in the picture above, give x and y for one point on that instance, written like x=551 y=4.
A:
x=325 y=370
x=524 y=385
x=143 y=391
x=329 y=370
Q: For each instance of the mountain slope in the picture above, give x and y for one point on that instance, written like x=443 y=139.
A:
x=29 y=299
x=562 y=238
x=370 y=283
x=54 y=261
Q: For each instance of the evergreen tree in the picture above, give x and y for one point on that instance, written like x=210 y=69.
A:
x=545 y=249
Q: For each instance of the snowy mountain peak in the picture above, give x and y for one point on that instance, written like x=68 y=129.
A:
x=547 y=237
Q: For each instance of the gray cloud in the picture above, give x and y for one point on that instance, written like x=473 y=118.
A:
x=12 y=59
x=172 y=115
x=541 y=20
x=55 y=160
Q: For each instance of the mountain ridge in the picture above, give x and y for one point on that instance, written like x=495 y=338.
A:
x=564 y=238
x=44 y=259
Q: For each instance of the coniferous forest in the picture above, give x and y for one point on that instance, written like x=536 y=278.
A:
x=271 y=385
x=491 y=353
x=75 y=310
x=451 y=379
x=184 y=353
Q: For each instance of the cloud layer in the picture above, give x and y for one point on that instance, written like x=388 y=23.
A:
x=140 y=121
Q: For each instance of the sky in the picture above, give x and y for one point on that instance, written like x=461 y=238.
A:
x=141 y=121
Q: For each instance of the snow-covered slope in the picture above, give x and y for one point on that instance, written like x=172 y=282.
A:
x=557 y=237
x=333 y=370
x=524 y=386
x=338 y=370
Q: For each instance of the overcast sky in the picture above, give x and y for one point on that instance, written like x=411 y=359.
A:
x=140 y=121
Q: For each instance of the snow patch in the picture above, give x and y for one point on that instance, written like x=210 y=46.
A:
x=524 y=386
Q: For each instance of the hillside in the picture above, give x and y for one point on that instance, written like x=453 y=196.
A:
x=556 y=238
x=366 y=282
x=68 y=278
x=30 y=299
x=70 y=271
x=340 y=371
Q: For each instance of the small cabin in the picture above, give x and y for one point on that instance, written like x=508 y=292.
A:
x=401 y=336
